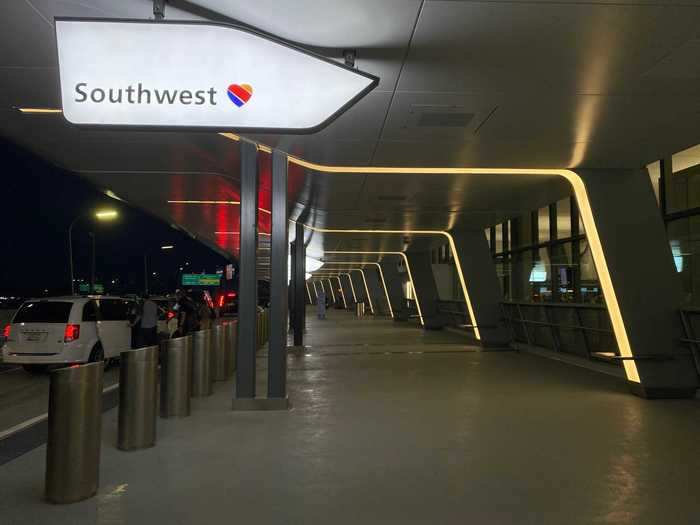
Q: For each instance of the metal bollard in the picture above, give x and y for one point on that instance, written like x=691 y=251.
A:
x=138 y=398
x=202 y=377
x=74 y=438
x=218 y=338
x=175 y=377
x=231 y=344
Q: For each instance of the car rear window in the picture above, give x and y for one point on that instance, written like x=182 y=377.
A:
x=43 y=312
x=114 y=309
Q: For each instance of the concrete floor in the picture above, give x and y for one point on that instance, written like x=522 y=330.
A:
x=380 y=433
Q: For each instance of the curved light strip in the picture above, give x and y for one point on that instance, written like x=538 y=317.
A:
x=308 y=292
x=315 y=290
x=408 y=269
x=330 y=285
x=369 y=299
x=586 y=213
x=342 y=292
x=352 y=287
x=381 y=274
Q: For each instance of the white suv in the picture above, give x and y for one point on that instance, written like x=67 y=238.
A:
x=63 y=330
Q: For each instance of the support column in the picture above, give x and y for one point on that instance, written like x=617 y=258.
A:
x=484 y=289
x=426 y=289
x=394 y=281
x=351 y=298
x=376 y=290
x=247 y=277
x=279 y=295
x=299 y=277
x=644 y=281
x=359 y=285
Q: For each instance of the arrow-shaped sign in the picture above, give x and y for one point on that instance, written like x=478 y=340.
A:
x=200 y=75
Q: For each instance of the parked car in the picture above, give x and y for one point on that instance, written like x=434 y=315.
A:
x=66 y=330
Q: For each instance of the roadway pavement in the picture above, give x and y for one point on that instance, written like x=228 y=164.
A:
x=24 y=396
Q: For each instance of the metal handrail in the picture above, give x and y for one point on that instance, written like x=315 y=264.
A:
x=518 y=318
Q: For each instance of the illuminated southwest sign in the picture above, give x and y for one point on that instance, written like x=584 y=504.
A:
x=197 y=75
x=201 y=279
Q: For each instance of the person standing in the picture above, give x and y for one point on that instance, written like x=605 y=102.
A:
x=134 y=318
x=149 y=322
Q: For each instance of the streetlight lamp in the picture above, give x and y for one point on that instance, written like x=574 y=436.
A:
x=100 y=215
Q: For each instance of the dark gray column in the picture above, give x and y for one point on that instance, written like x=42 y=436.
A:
x=339 y=289
x=482 y=285
x=299 y=276
x=247 y=279
x=394 y=282
x=376 y=290
x=426 y=289
x=359 y=285
x=643 y=275
x=345 y=283
x=279 y=295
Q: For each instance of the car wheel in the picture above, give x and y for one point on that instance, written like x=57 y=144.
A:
x=97 y=354
x=35 y=369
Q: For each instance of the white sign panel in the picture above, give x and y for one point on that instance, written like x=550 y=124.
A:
x=197 y=75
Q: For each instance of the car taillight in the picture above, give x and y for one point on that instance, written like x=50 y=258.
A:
x=170 y=315
x=71 y=333
x=221 y=301
x=6 y=332
x=231 y=294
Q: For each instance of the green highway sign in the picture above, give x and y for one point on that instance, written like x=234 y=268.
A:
x=201 y=279
x=85 y=288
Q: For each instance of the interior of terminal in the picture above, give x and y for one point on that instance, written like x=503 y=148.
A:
x=385 y=261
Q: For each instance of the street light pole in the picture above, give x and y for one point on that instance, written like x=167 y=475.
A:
x=104 y=215
x=145 y=273
x=92 y=264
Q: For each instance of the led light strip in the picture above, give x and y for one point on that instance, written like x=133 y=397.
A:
x=408 y=269
x=585 y=210
x=330 y=285
x=342 y=292
x=362 y=272
x=308 y=292
x=381 y=274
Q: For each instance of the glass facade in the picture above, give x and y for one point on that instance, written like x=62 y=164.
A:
x=556 y=267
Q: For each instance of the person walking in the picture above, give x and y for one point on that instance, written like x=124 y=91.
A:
x=321 y=305
x=149 y=322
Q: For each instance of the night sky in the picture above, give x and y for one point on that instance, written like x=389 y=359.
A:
x=38 y=203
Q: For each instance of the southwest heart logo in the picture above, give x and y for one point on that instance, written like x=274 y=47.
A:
x=240 y=93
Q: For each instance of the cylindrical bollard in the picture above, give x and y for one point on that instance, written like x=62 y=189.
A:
x=75 y=426
x=218 y=339
x=202 y=378
x=175 y=377
x=231 y=345
x=138 y=398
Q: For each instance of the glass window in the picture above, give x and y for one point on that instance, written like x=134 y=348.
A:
x=114 y=309
x=523 y=274
x=543 y=224
x=590 y=286
x=509 y=226
x=540 y=277
x=499 y=238
x=90 y=311
x=525 y=230
x=487 y=231
x=564 y=218
x=43 y=312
